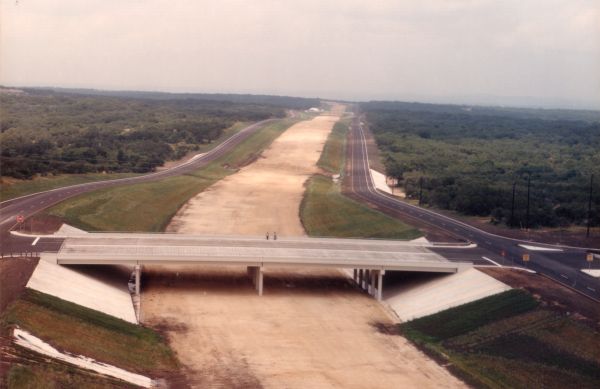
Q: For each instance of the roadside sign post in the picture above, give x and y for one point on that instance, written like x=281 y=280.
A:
x=20 y=220
x=526 y=258
x=589 y=258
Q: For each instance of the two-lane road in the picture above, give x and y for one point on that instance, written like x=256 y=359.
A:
x=31 y=204
x=563 y=265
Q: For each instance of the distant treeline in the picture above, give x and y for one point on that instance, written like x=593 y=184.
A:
x=275 y=101
x=43 y=132
x=467 y=159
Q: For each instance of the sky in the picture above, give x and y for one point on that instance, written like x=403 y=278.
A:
x=506 y=52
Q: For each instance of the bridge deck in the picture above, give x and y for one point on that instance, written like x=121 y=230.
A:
x=124 y=248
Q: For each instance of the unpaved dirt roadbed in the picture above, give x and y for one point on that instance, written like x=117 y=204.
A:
x=311 y=328
x=265 y=195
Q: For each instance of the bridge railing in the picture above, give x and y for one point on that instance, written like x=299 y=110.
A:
x=19 y=254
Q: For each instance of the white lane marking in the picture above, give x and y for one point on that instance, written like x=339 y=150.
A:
x=537 y=248
x=494 y=262
x=35 y=241
x=592 y=289
x=564 y=276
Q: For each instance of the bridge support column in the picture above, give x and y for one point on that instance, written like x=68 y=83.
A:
x=256 y=274
x=138 y=281
x=380 y=274
x=367 y=280
x=360 y=277
x=373 y=286
x=355 y=275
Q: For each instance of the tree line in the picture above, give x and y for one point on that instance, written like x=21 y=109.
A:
x=48 y=132
x=467 y=159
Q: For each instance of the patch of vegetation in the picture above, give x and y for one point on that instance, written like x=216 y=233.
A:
x=326 y=212
x=333 y=156
x=467 y=317
x=52 y=375
x=150 y=206
x=47 y=132
x=12 y=188
x=510 y=340
x=275 y=101
x=84 y=331
x=468 y=159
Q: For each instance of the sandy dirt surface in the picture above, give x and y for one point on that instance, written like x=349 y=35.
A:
x=311 y=328
x=265 y=195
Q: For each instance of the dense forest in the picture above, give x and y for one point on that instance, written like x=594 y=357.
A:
x=49 y=132
x=467 y=159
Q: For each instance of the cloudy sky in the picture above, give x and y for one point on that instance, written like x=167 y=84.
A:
x=520 y=52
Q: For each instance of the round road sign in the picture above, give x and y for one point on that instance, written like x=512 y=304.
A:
x=20 y=219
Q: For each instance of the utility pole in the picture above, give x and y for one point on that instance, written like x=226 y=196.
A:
x=589 y=218
x=528 y=201
x=420 y=191
x=512 y=207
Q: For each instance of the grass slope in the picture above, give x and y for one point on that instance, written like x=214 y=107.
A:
x=81 y=330
x=52 y=374
x=150 y=206
x=510 y=340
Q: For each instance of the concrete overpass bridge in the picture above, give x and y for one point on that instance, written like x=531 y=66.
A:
x=369 y=259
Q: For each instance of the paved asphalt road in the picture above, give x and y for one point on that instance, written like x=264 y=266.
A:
x=31 y=204
x=563 y=266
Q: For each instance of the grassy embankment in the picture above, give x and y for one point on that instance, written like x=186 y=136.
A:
x=80 y=330
x=150 y=206
x=325 y=211
x=12 y=188
x=510 y=340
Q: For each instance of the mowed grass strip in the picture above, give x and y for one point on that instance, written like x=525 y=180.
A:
x=326 y=212
x=84 y=331
x=333 y=155
x=150 y=206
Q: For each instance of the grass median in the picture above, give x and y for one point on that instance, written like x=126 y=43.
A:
x=325 y=211
x=150 y=206
x=333 y=155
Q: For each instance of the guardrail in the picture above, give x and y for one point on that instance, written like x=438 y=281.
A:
x=20 y=254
